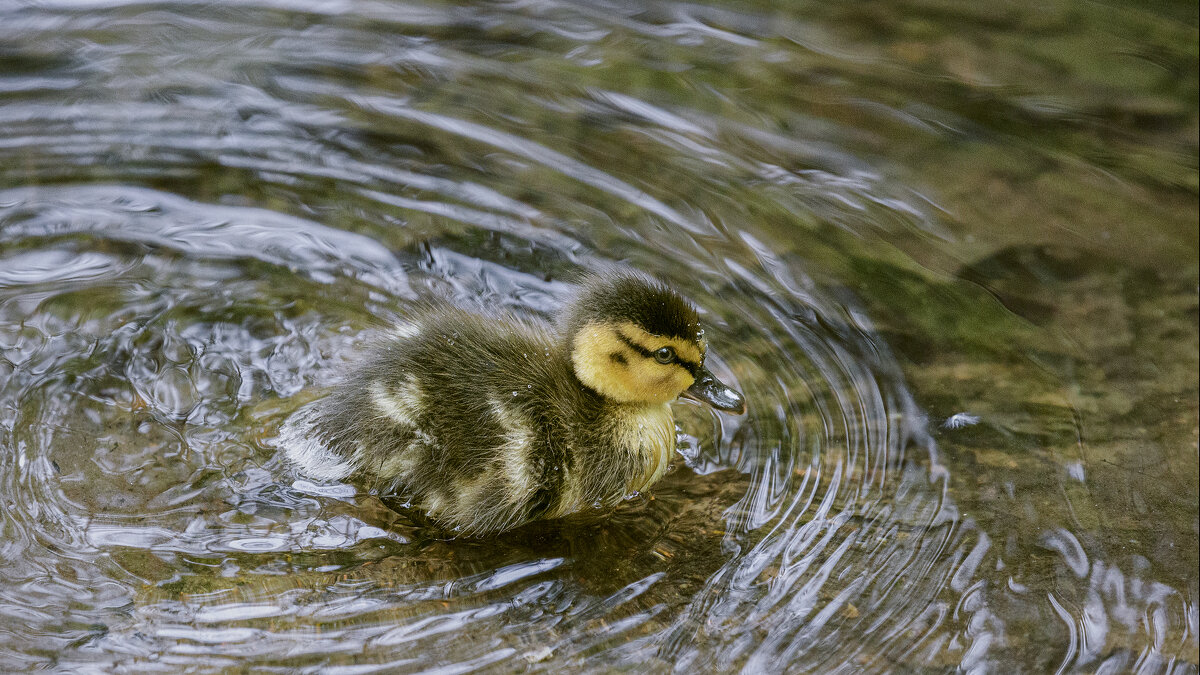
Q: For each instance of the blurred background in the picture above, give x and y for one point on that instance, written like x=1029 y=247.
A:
x=947 y=249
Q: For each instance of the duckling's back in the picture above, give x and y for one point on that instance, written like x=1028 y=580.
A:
x=479 y=420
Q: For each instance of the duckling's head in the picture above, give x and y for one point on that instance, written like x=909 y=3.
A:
x=634 y=340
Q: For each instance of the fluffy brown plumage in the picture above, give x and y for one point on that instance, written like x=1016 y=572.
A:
x=486 y=423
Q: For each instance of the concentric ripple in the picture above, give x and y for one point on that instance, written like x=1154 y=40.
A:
x=162 y=339
x=207 y=209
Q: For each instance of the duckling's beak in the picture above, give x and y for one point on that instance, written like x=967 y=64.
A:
x=708 y=389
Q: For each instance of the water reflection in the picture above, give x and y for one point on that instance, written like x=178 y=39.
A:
x=205 y=210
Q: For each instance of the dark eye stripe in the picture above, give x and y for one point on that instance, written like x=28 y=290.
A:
x=693 y=368
x=635 y=346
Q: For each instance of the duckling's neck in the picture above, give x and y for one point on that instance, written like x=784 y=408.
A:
x=643 y=431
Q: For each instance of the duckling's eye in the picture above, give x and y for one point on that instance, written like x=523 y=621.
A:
x=664 y=355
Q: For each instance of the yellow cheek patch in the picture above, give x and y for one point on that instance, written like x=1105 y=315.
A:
x=652 y=382
x=605 y=363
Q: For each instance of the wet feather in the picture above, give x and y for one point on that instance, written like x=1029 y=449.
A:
x=488 y=422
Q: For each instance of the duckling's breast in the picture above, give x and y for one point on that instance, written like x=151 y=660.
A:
x=649 y=433
x=630 y=452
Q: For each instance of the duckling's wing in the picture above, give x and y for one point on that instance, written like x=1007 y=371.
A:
x=472 y=390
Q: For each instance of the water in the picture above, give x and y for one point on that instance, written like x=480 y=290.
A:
x=948 y=252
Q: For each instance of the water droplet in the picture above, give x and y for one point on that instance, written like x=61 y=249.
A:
x=514 y=393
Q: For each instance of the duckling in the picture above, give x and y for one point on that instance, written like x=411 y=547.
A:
x=486 y=423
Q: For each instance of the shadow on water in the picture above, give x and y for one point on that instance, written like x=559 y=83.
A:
x=948 y=253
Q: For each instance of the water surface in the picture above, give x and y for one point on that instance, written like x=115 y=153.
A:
x=947 y=250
